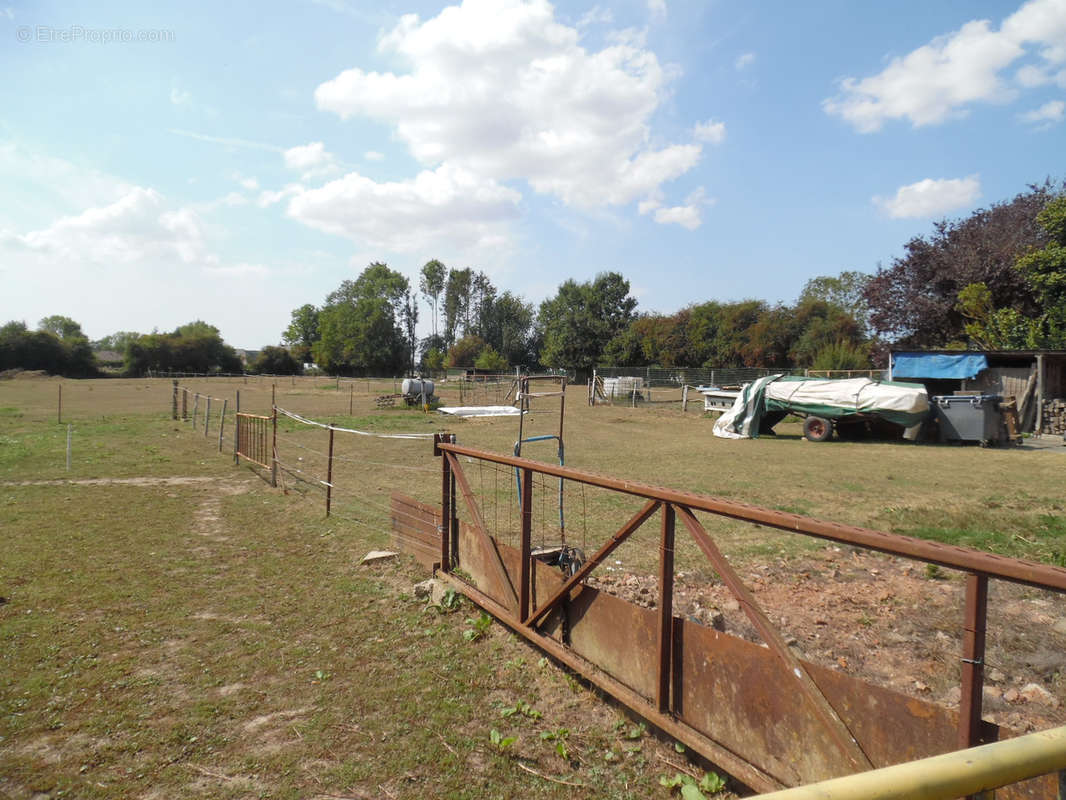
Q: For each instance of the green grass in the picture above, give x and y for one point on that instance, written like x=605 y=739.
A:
x=218 y=638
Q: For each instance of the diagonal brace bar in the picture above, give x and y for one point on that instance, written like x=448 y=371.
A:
x=836 y=727
x=609 y=547
x=479 y=526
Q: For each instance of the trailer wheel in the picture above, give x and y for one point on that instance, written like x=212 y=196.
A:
x=817 y=429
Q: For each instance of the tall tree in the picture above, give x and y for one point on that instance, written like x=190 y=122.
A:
x=846 y=290
x=582 y=318
x=302 y=332
x=61 y=327
x=21 y=348
x=457 y=304
x=914 y=302
x=431 y=284
x=367 y=325
x=193 y=347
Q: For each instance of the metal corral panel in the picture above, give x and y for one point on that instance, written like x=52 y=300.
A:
x=623 y=387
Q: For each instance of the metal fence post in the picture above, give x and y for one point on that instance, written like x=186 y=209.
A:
x=525 y=558
x=329 y=473
x=237 y=431
x=174 y=402
x=666 y=608
x=222 y=423
x=274 y=451
x=973 y=660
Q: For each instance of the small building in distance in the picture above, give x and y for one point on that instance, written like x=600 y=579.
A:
x=1036 y=379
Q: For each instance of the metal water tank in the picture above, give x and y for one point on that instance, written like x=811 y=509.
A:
x=414 y=387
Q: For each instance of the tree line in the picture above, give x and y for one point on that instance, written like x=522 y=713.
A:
x=993 y=280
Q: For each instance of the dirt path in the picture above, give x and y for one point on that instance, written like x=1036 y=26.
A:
x=177 y=480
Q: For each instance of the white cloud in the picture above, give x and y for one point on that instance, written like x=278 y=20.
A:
x=228 y=141
x=500 y=90
x=657 y=8
x=448 y=207
x=709 y=131
x=1051 y=112
x=597 y=15
x=251 y=184
x=137 y=228
x=686 y=216
x=943 y=79
x=229 y=200
x=269 y=197
x=929 y=198
x=310 y=159
x=373 y=155
x=240 y=270
x=178 y=96
x=744 y=61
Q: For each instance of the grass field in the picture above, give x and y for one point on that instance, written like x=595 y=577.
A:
x=173 y=627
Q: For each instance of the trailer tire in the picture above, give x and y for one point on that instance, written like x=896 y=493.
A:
x=817 y=429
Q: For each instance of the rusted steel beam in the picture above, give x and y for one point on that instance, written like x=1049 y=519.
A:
x=479 y=526
x=973 y=660
x=525 y=544
x=620 y=536
x=722 y=756
x=666 y=608
x=792 y=666
x=962 y=558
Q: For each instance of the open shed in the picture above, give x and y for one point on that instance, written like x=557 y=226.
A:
x=1036 y=379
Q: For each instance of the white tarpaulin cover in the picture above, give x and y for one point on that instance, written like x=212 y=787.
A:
x=903 y=403
x=480 y=411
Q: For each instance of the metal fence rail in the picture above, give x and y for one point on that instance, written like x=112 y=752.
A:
x=765 y=715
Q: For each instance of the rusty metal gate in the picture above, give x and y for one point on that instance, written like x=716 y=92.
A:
x=253 y=439
x=769 y=718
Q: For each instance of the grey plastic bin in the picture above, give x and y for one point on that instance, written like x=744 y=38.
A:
x=968 y=418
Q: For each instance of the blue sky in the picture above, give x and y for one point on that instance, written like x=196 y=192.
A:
x=230 y=162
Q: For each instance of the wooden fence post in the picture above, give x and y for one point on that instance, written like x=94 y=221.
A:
x=174 y=402
x=59 y=413
x=207 y=415
x=195 y=408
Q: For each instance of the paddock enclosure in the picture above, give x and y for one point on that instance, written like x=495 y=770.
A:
x=330 y=447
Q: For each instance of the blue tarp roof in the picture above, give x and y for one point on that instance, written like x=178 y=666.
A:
x=937 y=365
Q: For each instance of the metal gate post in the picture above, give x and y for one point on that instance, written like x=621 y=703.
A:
x=973 y=660
x=666 y=608
x=237 y=431
x=527 y=533
x=274 y=450
x=446 y=501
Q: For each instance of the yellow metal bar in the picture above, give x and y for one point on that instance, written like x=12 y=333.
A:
x=957 y=774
